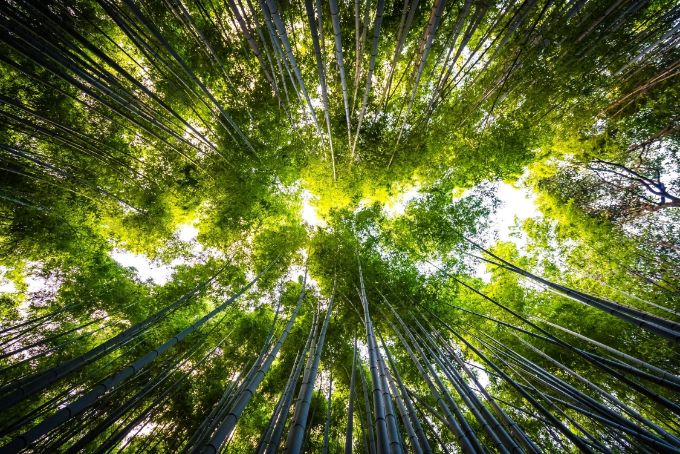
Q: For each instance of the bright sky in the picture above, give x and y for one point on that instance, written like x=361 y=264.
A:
x=308 y=212
x=159 y=273
x=516 y=205
x=145 y=268
x=34 y=283
x=397 y=204
x=6 y=285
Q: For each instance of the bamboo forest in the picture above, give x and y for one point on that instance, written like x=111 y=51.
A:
x=337 y=226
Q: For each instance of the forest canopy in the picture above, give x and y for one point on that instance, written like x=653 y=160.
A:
x=339 y=226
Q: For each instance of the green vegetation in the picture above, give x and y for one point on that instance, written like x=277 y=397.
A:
x=373 y=226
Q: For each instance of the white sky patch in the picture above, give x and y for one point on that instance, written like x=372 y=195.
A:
x=146 y=429
x=35 y=283
x=187 y=232
x=430 y=267
x=40 y=290
x=397 y=204
x=297 y=272
x=145 y=268
x=482 y=376
x=517 y=204
x=362 y=350
x=160 y=273
x=308 y=211
x=6 y=285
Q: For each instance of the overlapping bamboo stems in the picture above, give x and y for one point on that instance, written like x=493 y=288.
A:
x=447 y=64
x=580 y=443
x=91 y=397
x=589 y=438
x=598 y=279
x=281 y=60
x=69 y=58
x=360 y=32
x=506 y=359
x=321 y=69
x=247 y=33
x=19 y=390
x=278 y=409
x=447 y=404
x=496 y=432
x=595 y=359
x=297 y=430
x=278 y=419
x=663 y=327
x=405 y=414
x=500 y=83
x=396 y=444
x=234 y=389
x=137 y=399
x=280 y=32
x=424 y=51
x=663 y=377
x=433 y=430
x=383 y=441
x=519 y=434
x=372 y=449
x=67 y=137
x=371 y=67
x=142 y=40
x=228 y=423
x=422 y=442
x=156 y=33
x=408 y=12
x=604 y=394
x=182 y=14
x=448 y=83
x=48 y=169
x=458 y=425
x=668 y=376
x=570 y=389
x=335 y=17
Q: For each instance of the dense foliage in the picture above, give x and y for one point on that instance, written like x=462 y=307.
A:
x=303 y=226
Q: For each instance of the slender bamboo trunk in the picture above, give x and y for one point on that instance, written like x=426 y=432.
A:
x=350 y=408
x=228 y=424
x=327 y=425
x=24 y=388
x=383 y=439
x=297 y=430
x=371 y=66
x=335 y=16
x=369 y=414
